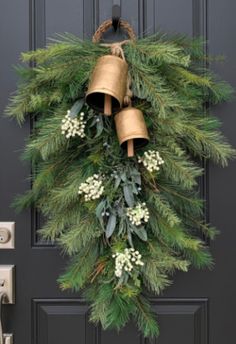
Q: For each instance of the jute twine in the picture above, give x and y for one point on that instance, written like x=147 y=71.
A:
x=107 y=24
x=117 y=47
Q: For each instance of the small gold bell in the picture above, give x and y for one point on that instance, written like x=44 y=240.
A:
x=131 y=129
x=107 y=86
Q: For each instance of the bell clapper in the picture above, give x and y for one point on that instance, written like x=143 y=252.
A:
x=130 y=148
x=107 y=105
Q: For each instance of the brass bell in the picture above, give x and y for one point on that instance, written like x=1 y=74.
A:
x=107 y=86
x=131 y=129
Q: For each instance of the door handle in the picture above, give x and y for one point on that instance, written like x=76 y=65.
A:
x=7 y=296
x=5 y=338
x=2 y=297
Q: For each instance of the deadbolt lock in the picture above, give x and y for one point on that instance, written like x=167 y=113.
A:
x=5 y=235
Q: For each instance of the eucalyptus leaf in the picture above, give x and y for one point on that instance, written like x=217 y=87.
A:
x=126 y=277
x=123 y=177
x=99 y=126
x=76 y=108
x=100 y=208
x=111 y=225
x=134 y=189
x=120 y=210
x=141 y=233
x=130 y=239
x=128 y=194
x=94 y=122
x=117 y=182
x=137 y=179
x=121 y=227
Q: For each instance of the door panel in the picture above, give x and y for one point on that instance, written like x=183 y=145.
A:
x=60 y=321
x=198 y=308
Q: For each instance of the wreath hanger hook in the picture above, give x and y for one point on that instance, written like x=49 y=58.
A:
x=116 y=14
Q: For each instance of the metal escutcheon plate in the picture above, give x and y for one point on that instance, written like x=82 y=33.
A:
x=7 y=285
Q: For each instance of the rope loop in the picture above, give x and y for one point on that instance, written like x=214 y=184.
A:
x=107 y=24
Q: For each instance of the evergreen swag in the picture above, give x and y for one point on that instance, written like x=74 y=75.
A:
x=170 y=86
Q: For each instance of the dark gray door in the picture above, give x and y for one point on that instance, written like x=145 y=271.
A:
x=200 y=307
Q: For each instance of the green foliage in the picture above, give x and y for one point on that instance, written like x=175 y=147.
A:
x=170 y=85
x=77 y=276
x=145 y=318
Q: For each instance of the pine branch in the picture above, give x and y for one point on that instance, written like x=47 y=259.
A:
x=76 y=276
x=146 y=320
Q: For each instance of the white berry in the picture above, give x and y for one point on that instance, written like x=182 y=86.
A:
x=70 y=127
x=92 y=188
x=151 y=160
x=125 y=261
x=138 y=214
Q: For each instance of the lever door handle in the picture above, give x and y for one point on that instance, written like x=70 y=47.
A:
x=5 y=338
x=2 y=297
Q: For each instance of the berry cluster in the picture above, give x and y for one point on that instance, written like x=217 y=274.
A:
x=92 y=188
x=151 y=160
x=138 y=214
x=71 y=127
x=125 y=262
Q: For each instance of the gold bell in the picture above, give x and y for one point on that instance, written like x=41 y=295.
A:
x=108 y=83
x=131 y=129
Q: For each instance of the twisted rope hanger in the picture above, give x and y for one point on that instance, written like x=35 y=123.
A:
x=107 y=24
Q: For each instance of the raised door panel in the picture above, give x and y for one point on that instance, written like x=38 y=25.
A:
x=60 y=321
